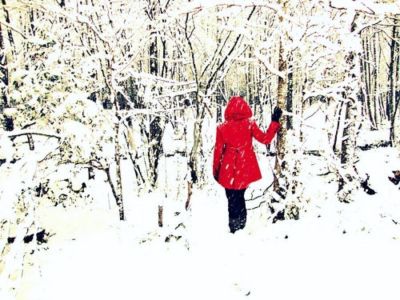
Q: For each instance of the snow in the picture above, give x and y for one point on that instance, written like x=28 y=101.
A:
x=108 y=263
x=335 y=250
x=6 y=148
x=119 y=270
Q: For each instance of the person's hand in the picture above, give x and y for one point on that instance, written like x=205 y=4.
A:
x=276 y=115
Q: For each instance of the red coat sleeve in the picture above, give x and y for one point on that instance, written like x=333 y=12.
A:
x=218 y=150
x=265 y=137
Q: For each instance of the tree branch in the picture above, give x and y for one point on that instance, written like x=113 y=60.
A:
x=191 y=50
x=269 y=66
x=211 y=62
x=228 y=55
x=342 y=6
x=14 y=29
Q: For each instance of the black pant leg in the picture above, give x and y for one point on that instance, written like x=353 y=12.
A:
x=236 y=209
x=242 y=209
x=232 y=211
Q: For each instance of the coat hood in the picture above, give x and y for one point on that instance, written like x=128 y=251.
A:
x=237 y=109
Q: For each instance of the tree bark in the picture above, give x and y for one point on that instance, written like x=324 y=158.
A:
x=5 y=57
x=289 y=104
x=280 y=180
x=120 y=199
x=393 y=99
x=155 y=130
x=280 y=183
x=348 y=173
x=368 y=81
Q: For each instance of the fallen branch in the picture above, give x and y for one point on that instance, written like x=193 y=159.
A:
x=261 y=195
x=15 y=134
x=374 y=145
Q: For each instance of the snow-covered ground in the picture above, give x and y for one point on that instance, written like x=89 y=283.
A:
x=335 y=250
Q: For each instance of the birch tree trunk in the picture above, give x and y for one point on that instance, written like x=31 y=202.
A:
x=280 y=181
x=117 y=156
x=112 y=84
x=348 y=178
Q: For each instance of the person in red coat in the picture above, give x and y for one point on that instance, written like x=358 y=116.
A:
x=235 y=164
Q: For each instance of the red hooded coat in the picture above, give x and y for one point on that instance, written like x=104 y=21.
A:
x=235 y=164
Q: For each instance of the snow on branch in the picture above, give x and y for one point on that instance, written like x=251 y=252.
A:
x=73 y=17
x=270 y=67
x=177 y=93
x=148 y=111
x=197 y=6
x=366 y=6
x=155 y=78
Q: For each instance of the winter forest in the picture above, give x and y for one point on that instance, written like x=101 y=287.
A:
x=108 y=117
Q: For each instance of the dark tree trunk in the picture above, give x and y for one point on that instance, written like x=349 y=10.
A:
x=8 y=121
x=346 y=143
x=219 y=99
x=156 y=131
x=164 y=67
x=7 y=17
x=367 y=81
x=393 y=99
x=374 y=84
x=153 y=51
x=338 y=124
x=4 y=71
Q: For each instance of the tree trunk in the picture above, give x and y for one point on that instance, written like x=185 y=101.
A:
x=197 y=142
x=367 y=81
x=155 y=130
x=280 y=180
x=6 y=51
x=117 y=157
x=374 y=79
x=347 y=153
x=348 y=174
x=338 y=124
x=392 y=100
x=4 y=71
x=289 y=102
x=153 y=52
x=7 y=19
